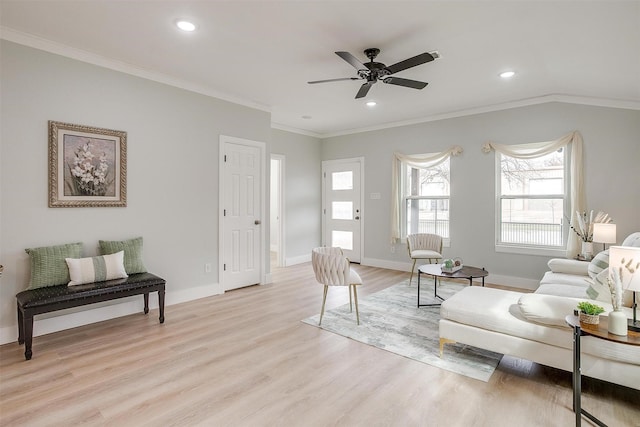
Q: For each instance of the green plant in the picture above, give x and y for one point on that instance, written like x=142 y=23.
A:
x=589 y=308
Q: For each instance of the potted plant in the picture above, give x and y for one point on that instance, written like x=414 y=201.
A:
x=589 y=312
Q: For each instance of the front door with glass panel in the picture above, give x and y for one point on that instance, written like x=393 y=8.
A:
x=342 y=210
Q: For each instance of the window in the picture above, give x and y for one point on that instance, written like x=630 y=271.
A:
x=532 y=200
x=426 y=199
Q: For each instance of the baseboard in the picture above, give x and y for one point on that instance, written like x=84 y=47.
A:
x=297 y=260
x=498 y=279
x=514 y=282
x=389 y=265
x=129 y=306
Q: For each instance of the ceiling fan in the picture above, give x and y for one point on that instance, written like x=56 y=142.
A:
x=374 y=71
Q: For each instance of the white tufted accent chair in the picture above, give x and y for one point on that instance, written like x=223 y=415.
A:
x=332 y=268
x=424 y=246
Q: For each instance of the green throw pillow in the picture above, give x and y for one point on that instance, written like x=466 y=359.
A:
x=48 y=265
x=132 y=253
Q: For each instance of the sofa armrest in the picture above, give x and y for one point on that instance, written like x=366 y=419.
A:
x=569 y=266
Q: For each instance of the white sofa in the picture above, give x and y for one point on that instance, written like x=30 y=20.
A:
x=532 y=326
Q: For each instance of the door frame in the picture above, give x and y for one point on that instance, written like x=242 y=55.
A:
x=223 y=141
x=359 y=160
x=281 y=197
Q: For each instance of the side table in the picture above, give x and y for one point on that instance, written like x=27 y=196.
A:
x=599 y=331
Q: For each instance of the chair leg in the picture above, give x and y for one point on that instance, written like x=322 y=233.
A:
x=412 y=268
x=350 y=303
x=324 y=299
x=355 y=297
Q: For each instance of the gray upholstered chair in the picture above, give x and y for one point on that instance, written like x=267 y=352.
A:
x=332 y=268
x=424 y=246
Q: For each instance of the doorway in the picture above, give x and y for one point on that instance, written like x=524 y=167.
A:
x=342 y=219
x=276 y=216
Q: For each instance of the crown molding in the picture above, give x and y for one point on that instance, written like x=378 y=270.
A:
x=568 y=99
x=35 y=42
x=292 y=129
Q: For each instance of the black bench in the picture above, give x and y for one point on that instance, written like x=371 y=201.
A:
x=59 y=297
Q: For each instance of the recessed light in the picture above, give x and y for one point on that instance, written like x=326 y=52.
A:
x=371 y=103
x=507 y=74
x=186 y=25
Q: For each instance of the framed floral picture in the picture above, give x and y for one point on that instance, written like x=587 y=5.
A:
x=87 y=166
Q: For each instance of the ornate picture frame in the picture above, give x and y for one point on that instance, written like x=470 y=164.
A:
x=87 y=166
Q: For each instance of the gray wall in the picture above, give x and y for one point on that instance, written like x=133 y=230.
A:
x=611 y=156
x=303 y=197
x=173 y=145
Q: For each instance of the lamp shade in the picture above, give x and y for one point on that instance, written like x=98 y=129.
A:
x=626 y=260
x=604 y=233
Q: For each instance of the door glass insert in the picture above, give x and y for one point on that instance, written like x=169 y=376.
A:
x=342 y=210
x=342 y=180
x=342 y=239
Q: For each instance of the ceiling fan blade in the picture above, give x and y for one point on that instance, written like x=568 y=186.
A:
x=364 y=89
x=333 y=80
x=405 y=82
x=355 y=63
x=411 y=62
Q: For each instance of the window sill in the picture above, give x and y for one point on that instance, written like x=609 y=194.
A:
x=525 y=250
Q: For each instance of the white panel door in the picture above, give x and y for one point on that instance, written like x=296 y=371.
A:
x=242 y=222
x=342 y=210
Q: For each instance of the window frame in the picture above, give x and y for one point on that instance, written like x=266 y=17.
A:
x=524 y=248
x=446 y=241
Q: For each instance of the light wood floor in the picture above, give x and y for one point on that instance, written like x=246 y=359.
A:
x=244 y=358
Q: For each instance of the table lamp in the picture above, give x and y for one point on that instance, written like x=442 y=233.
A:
x=604 y=233
x=627 y=259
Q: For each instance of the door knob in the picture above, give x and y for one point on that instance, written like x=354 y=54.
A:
x=257 y=222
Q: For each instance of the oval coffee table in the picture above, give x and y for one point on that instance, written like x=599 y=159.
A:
x=435 y=270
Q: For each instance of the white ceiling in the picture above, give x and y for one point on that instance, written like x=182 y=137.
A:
x=262 y=53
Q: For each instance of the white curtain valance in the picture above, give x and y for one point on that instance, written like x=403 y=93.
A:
x=537 y=149
x=420 y=161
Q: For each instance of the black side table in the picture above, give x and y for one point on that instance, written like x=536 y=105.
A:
x=600 y=331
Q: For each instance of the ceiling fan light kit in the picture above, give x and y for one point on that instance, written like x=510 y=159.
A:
x=373 y=71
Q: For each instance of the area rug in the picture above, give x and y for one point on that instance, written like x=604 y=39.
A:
x=390 y=320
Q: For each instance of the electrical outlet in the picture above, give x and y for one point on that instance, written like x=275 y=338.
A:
x=207 y=268
x=393 y=249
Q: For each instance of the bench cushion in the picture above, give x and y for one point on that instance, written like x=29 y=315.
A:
x=50 y=295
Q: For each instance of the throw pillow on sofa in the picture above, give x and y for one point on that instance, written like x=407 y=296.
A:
x=599 y=288
x=598 y=263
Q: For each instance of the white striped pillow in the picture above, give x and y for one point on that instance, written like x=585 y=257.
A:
x=96 y=269
x=598 y=263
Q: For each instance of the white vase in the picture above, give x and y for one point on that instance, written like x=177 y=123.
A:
x=618 y=323
x=587 y=250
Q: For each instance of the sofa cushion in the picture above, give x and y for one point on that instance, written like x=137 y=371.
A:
x=96 y=269
x=564 y=279
x=48 y=266
x=132 y=253
x=551 y=309
x=562 y=290
x=568 y=266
